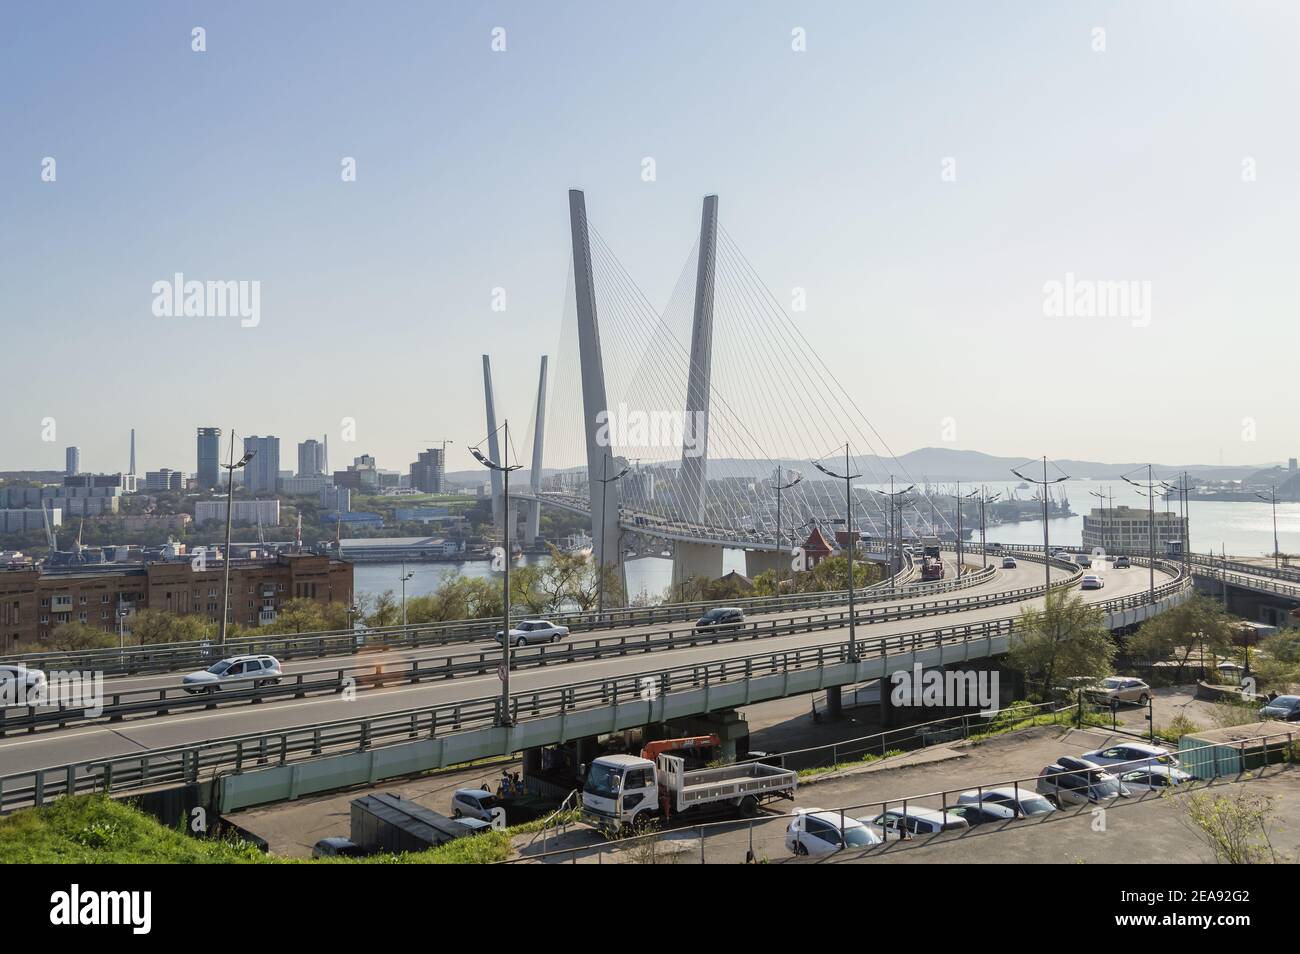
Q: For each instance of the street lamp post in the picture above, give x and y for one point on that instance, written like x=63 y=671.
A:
x=958 y=498
x=848 y=477
x=1151 y=527
x=504 y=469
x=405 y=576
x=605 y=481
x=225 y=556
x=1047 y=556
x=984 y=500
x=780 y=487
x=1109 y=524
x=1273 y=496
x=895 y=558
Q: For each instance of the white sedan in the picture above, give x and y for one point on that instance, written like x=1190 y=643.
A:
x=535 y=631
x=235 y=672
x=1091 y=581
x=817 y=832
x=1155 y=778
x=1132 y=755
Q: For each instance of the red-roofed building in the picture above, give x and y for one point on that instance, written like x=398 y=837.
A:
x=816 y=548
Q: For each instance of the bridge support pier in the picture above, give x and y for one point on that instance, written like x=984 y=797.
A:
x=727 y=724
x=691 y=560
x=835 y=701
x=760 y=561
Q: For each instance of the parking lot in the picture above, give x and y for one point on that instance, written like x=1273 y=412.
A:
x=1146 y=828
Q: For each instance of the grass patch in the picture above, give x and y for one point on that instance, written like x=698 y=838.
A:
x=865 y=760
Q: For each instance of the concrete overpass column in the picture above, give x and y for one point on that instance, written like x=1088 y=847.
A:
x=835 y=702
x=760 y=561
x=691 y=560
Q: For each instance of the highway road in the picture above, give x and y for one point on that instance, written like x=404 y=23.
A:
x=60 y=746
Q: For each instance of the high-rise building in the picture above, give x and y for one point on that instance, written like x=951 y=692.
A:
x=72 y=461
x=132 y=471
x=311 y=459
x=209 y=468
x=429 y=472
x=262 y=473
x=165 y=479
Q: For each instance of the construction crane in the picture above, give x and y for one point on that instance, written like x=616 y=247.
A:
x=51 y=540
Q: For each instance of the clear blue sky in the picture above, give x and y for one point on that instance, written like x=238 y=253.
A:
x=1120 y=165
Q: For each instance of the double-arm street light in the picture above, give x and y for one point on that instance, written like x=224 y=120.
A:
x=605 y=481
x=504 y=469
x=848 y=477
x=958 y=498
x=779 y=549
x=230 y=469
x=895 y=540
x=1151 y=525
x=405 y=576
x=1273 y=497
x=1044 y=483
x=985 y=500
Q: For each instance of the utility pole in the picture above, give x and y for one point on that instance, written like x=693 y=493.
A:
x=405 y=576
x=848 y=477
x=779 y=549
x=1044 y=483
x=504 y=469
x=961 y=551
x=225 y=557
x=1151 y=527
x=895 y=539
x=985 y=499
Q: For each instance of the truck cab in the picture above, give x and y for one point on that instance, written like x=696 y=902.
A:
x=619 y=789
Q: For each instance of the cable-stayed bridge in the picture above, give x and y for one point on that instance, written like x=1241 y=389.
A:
x=682 y=424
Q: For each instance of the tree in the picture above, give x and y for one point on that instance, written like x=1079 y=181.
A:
x=74 y=636
x=155 y=627
x=1198 y=621
x=384 y=610
x=1235 y=827
x=1065 y=638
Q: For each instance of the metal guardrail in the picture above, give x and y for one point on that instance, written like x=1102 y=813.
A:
x=192 y=762
x=165 y=700
x=1235 y=566
x=173 y=656
x=1252 y=582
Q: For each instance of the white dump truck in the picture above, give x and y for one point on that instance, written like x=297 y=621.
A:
x=625 y=789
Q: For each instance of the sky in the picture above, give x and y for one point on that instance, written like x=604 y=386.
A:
x=922 y=171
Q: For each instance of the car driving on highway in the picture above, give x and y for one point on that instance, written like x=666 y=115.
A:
x=237 y=672
x=1008 y=563
x=16 y=679
x=1091 y=581
x=721 y=617
x=535 y=631
x=816 y=832
x=1121 y=563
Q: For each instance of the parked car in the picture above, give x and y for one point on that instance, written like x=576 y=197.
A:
x=1121 y=688
x=1008 y=563
x=1121 y=563
x=897 y=823
x=474 y=803
x=813 y=831
x=1018 y=802
x=337 y=847
x=1286 y=708
x=1073 y=781
x=721 y=617
x=535 y=631
x=17 y=679
x=1154 y=778
x=1132 y=755
x=234 y=672
x=979 y=814
x=1091 y=581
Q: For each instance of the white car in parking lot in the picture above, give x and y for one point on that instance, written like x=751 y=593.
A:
x=900 y=823
x=816 y=832
x=1155 y=778
x=1132 y=755
x=1016 y=802
x=236 y=672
